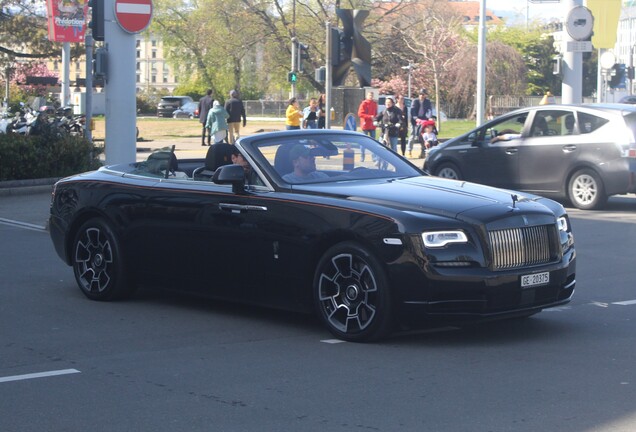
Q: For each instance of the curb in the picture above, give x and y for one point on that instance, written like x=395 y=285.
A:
x=27 y=187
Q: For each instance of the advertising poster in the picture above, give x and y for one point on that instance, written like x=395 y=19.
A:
x=67 y=20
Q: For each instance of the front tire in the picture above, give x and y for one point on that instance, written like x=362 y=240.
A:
x=352 y=294
x=448 y=170
x=98 y=263
x=586 y=190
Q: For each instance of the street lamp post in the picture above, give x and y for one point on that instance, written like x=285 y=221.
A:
x=409 y=68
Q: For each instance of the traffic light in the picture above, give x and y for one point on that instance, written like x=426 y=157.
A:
x=617 y=77
x=292 y=77
x=303 y=54
x=96 y=24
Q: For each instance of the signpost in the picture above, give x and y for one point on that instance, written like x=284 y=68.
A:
x=133 y=15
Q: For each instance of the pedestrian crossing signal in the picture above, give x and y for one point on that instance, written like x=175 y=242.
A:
x=292 y=77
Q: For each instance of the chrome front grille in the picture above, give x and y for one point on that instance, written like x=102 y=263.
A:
x=522 y=247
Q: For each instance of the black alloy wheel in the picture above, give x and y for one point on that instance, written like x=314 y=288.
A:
x=352 y=294
x=97 y=262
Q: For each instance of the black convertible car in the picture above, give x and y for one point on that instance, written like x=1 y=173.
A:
x=300 y=220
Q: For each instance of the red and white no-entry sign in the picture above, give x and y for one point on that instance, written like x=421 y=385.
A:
x=133 y=15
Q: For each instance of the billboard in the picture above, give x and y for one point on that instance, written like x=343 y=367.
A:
x=67 y=20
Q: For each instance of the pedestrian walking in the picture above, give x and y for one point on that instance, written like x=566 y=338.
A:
x=367 y=111
x=293 y=115
x=205 y=103
x=310 y=115
x=236 y=110
x=421 y=109
x=322 y=103
x=389 y=120
x=404 y=128
x=217 y=122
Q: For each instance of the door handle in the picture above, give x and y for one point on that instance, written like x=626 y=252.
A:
x=238 y=208
x=569 y=148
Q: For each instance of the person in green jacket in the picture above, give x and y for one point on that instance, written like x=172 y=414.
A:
x=217 y=122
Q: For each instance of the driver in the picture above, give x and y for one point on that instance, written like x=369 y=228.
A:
x=304 y=166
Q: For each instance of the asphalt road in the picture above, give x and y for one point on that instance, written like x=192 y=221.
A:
x=162 y=362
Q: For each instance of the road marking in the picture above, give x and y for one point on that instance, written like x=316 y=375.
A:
x=625 y=303
x=599 y=304
x=38 y=375
x=22 y=224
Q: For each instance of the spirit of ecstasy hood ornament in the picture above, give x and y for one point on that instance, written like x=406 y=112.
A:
x=515 y=198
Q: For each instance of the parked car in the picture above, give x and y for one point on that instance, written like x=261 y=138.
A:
x=580 y=153
x=189 y=110
x=168 y=104
x=628 y=100
x=304 y=224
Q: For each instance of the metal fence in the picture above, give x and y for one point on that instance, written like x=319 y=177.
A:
x=268 y=108
x=498 y=105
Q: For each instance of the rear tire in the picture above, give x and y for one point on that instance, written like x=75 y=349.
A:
x=586 y=190
x=98 y=263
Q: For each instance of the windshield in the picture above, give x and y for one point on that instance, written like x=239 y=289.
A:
x=331 y=158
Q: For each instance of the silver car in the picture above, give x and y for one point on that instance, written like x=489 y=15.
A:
x=580 y=153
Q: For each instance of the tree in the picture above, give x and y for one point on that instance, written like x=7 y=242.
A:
x=432 y=34
x=505 y=72
x=536 y=47
x=24 y=30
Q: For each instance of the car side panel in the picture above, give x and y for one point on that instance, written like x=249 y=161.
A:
x=544 y=162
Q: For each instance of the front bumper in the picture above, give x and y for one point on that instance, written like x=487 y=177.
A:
x=480 y=294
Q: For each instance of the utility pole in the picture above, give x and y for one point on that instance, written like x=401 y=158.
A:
x=294 y=42
x=89 y=86
x=409 y=68
x=481 y=64
x=328 y=78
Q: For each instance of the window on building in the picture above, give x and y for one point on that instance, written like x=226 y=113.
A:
x=138 y=53
x=154 y=53
x=153 y=79
x=138 y=78
x=138 y=43
x=55 y=66
x=138 y=66
x=154 y=43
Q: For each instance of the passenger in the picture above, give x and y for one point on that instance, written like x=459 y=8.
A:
x=251 y=177
x=304 y=166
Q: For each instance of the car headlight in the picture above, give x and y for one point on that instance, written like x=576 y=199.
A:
x=562 y=223
x=437 y=239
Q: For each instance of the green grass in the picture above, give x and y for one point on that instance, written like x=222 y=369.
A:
x=453 y=128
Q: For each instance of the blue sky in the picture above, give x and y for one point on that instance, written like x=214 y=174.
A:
x=515 y=10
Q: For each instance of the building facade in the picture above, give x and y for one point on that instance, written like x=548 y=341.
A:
x=153 y=73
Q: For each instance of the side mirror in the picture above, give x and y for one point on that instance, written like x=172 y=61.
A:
x=231 y=174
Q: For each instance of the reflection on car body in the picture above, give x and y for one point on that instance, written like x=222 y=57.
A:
x=583 y=153
x=369 y=246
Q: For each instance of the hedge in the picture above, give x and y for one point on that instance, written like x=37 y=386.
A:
x=45 y=156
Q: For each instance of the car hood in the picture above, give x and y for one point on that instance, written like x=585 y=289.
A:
x=433 y=195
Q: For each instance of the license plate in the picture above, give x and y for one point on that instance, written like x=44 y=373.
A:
x=535 y=279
